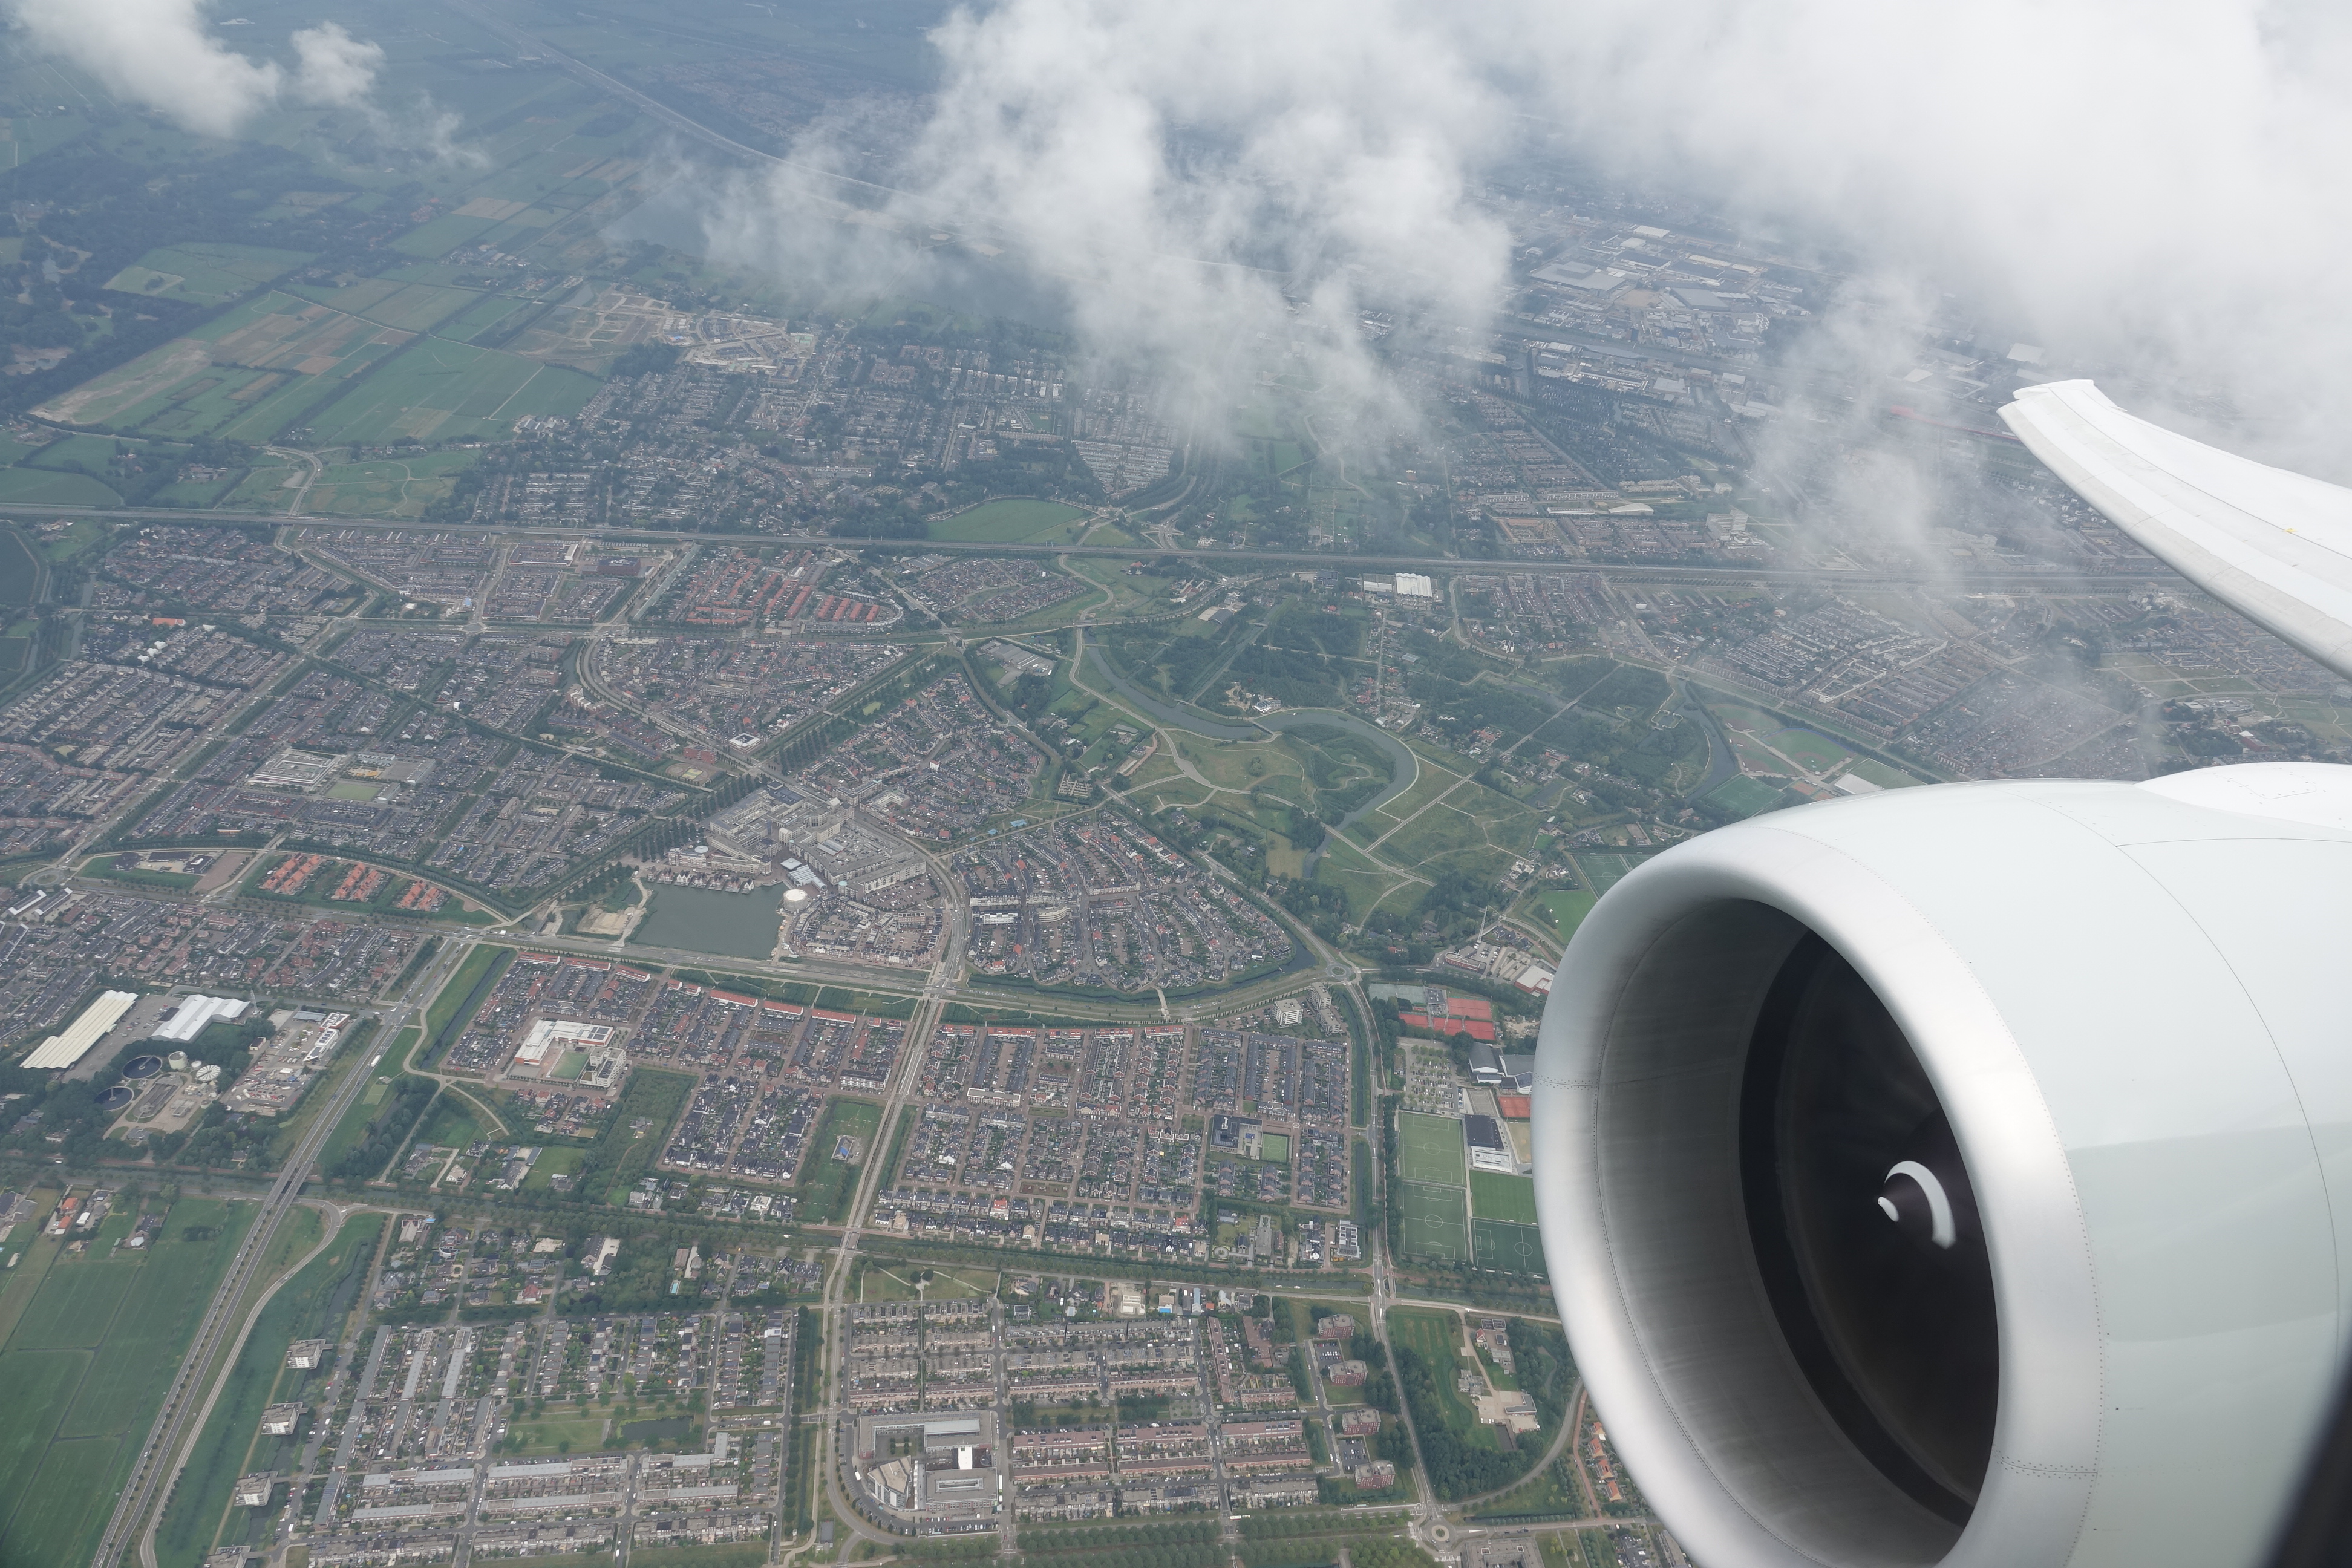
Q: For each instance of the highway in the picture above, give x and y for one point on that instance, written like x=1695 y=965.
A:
x=1232 y=562
x=175 y=1424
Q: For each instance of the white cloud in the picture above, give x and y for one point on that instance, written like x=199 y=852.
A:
x=2141 y=182
x=156 y=53
x=336 y=69
x=160 y=55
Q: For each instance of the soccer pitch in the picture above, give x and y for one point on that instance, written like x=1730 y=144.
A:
x=1429 y=1149
x=1497 y=1196
x=1513 y=1248
x=1435 y=1223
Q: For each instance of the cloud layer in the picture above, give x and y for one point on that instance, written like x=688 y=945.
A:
x=2143 y=186
x=159 y=54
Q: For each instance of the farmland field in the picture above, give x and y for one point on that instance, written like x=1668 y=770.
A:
x=205 y=272
x=1429 y=1149
x=84 y=1369
x=36 y=487
x=18 y=570
x=438 y=389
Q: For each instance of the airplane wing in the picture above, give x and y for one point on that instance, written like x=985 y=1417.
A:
x=2274 y=546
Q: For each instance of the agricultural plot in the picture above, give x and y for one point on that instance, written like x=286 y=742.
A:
x=1429 y=1149
x=83 y=1371
x=244 y=377
x=207 y=273
x=389 y=302
x=36 y=487
x=18 y=570
x=1436 y=1226
x=439 y=390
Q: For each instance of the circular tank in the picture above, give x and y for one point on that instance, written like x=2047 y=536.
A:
x=208 y=1073
x=115 y=1099
x=143 y=1067
x=178 y=1062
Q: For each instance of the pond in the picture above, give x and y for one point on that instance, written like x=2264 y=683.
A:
x=737 y=925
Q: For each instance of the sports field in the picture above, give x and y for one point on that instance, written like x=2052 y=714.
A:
x=1494 y=1195
x=1517 y=1248
x=1429 y=1148
x=1435 y=1223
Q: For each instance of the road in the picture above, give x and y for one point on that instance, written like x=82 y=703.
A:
x=1229 y=561
x=181 y=1418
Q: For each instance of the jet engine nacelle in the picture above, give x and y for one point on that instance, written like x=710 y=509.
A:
x=1963 y=1174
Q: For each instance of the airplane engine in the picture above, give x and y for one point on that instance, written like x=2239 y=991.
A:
x=1963 y=1174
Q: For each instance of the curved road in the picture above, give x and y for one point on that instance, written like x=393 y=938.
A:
x=1406 y=765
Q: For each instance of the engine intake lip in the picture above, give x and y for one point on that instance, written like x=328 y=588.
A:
x=1637 y=1108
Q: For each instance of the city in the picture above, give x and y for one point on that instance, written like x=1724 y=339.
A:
x=661 y=910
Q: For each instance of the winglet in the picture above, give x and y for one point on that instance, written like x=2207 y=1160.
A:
x=2274 y=546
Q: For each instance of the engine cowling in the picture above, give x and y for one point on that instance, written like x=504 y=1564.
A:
x=1963 y=1174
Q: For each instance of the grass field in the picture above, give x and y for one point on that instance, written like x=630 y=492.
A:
x=310 y=1305
x=40 y=487
x=1743 y=796
x=84 y=1369
x=1882 y=775
x=1437 y=1338
x=437 y=390
x=18 y=570
x=892 y=1280
x=1816 y=751
x=444 y=1017
x=387 y=488
x=1603 y=869
x=1561 y=912
x=1494 y=1196
x=204 y=271
x=559 y=1434
x=1012 y=523
x=1429 y=1149
x=828 y=1184
x=1435 y=1225
x=449 y=1124
x=1518 y=1248
x=622 y=1157
x=553 y=1163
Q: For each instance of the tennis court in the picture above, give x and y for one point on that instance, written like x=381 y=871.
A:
x=1429 y=1148
x=1435 y=1223
x=1513 y=1248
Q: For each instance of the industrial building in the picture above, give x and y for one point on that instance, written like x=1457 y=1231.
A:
x=62 y=1050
